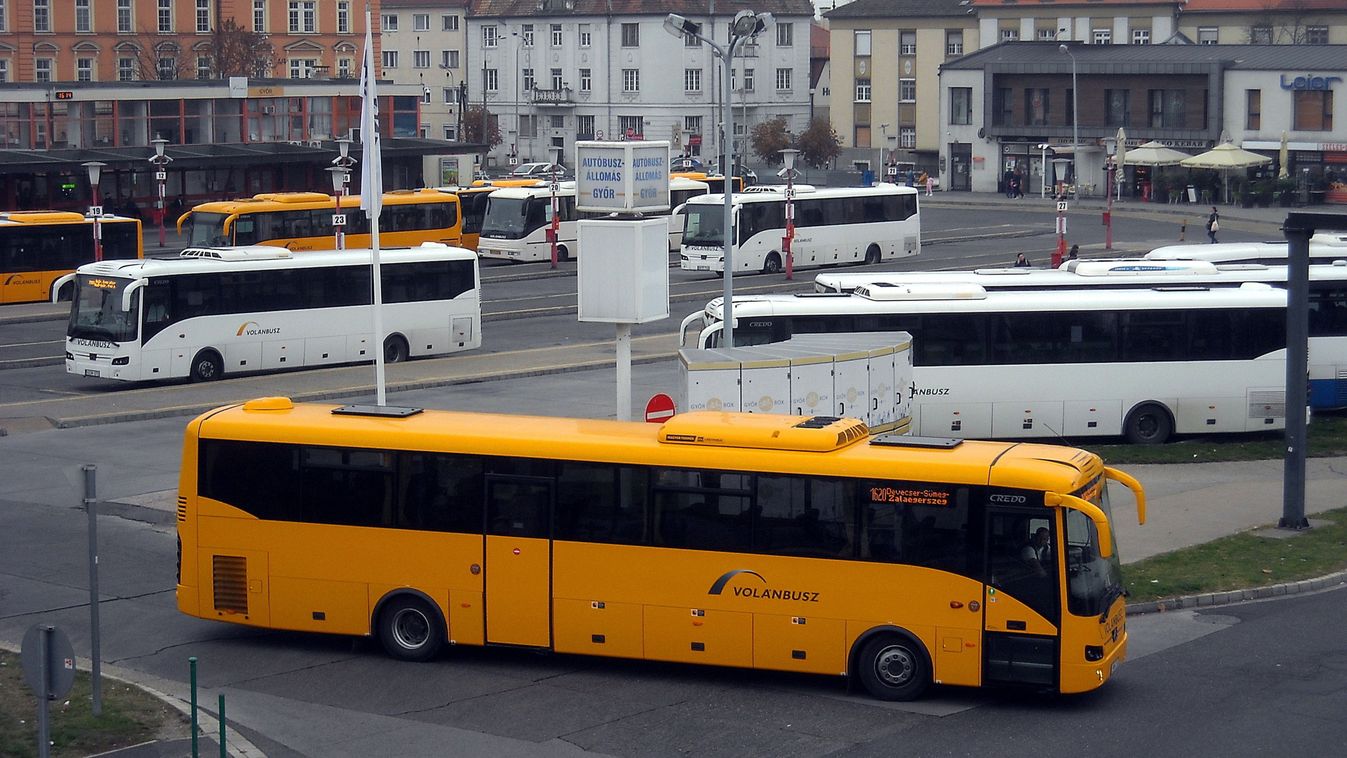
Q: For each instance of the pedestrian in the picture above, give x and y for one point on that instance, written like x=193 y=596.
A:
x=1021 y=261
x=930 y=185
x=1213 y=224
x=1019 y=183
x=1074 y=253
x=1007 y=179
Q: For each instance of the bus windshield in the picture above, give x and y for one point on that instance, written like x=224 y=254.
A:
x=474 y=206
x=512 y=218
x=704 y=225
x=208 y=229
x=1093 y=582
x=96 y=312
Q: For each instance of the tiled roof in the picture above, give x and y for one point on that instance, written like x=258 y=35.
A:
x=557 y=8
x=425 y=4
x=899 y=9
x=1262 y=6
x=1240 y=57
x=1068 y=3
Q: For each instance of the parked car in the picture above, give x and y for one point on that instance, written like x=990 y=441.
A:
x=686 y=163
x=536 y=171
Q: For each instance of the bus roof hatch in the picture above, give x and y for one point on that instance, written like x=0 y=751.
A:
x=763 y=431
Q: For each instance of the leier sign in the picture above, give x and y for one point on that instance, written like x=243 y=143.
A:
x=1309 y=82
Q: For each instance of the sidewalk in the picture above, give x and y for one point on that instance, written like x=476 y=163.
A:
x=1198 y=212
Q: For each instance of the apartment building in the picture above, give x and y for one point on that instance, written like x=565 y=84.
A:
x=1264 y=22
x=424 y=42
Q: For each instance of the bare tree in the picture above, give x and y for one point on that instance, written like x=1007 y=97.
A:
x=1281 y=22
x=769 y=138
x=241 y=52
x=480 y=126
x=158 y=57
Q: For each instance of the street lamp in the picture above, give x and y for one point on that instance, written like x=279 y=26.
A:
x=746 y=23
x=95 y=170
x=883 y=137
x=555 y=228
x=340 y=171
x=1042 y=170
x=1075 y=121
x=788 y=158
x=160 y=163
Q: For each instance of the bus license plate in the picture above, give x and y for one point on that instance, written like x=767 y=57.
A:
x=91 y=372
x=703 y=268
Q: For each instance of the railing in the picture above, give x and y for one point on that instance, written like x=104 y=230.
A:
x=560 y=96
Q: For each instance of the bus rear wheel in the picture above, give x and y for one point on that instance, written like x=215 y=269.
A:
x=410 y=629
x=772 y=265
x=1148 y=424
x=207 y=366
x=395 y=349
x=872 y=254
x=563 y=254
x=893 y=667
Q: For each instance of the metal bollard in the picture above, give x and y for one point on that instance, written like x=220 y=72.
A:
x=191 y=664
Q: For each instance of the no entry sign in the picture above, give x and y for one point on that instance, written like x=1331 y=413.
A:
x=659 y=409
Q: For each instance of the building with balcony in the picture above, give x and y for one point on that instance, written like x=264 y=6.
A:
x=554 y=71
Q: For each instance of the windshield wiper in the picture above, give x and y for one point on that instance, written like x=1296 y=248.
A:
x=94 y=332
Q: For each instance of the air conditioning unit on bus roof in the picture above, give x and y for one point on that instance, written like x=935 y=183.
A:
x=940 y=291
x=242 y=253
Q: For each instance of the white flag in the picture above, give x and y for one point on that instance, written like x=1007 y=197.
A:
x=371 y=169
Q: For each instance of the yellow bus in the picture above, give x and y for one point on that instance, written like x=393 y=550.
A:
x=303 y=221
x=716 y=182
x=39 y=247
x=753 y=540
x=472 y=202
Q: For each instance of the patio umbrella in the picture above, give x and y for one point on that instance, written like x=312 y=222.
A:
x=1153 y=154
x=1282 y=157
x=1225 y=158
x=1118 y=161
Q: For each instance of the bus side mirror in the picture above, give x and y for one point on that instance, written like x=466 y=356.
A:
x=129 y=294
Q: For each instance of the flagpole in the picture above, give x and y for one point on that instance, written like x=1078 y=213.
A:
x=371 y=192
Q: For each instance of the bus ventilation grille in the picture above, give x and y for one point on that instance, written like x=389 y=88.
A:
x=1267 y=404
x=182 y=508
x=230 y=578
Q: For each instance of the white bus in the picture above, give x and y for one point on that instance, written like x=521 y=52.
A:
x=1325 y=247
x=1143 y=364
x=832 y=226
x=1327 y=297
x=216 y=311
x=681 y=190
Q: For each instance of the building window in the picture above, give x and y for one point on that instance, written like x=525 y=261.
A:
x=425 y=96
x=954 y=42
x=692 y=80
x=167 y=68
x=449 y=23
x=556 y=122
x=1260 y=34
x=389 y=58
x=343 y=17
x=303 y=16
x=450 y=95
x=448 y=59
x=42 y=69
x=584 y=127
x=420 y=22
x=421 y=59
x=631 y=35
x=1116 y=109
x=165 y=16
x=126 y=69
x=4 y=26
x=961 y=105
x=1102 y=36
x=490 y=36
x=203 y=16
x=862 y=90
x=1046 y=34
x=84 y=22
x=490 y=80
x=1316 y=35
x=302 y=68
x=784 y=79
x=84 y=69
x=631 y=80
x=529 y=83
x=1253 y=109
x=42 y=21
x=556 y=35
x=1141 y=36
x=259 y=15
x=691 y=40
x=526 y=34
x=692 y=124
x=907 y=90
x=389 y=23
x=1036 y=108
x=1208 y=35
x=4 y=69
x=1010 y=35
x=557 y=83
x=203 y=67
x=584 y=35
x=1312 y=110
x=862 y=38
x=1167 y=108
x=907 y=137
x=907 y=43
x=586 y=80
x=344 y=68
x=1003 y=107
x=748 y=79
x=448 y=132
x=785 y=34
x=630 y=125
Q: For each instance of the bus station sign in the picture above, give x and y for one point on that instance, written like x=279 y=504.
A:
x=630 y=177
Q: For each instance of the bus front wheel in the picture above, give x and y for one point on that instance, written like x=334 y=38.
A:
x=872 y=254
x=772 y=265
x=410 y=629
x=395 y=349
x=893 y=667
x=207 y=366
x=563 y=254
x=1148 y=424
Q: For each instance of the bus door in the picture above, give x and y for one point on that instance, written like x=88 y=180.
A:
x=518 y=561
x=1022 y=614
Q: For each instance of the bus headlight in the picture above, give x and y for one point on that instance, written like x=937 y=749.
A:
x=1094 y=653
x=122 y=361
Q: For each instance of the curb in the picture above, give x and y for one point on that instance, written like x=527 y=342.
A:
x=1229 y=597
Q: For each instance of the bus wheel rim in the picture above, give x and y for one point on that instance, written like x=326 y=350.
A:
x=895 y=666
x=411 y=628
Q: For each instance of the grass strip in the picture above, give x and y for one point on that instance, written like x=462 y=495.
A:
x=130 y=716
x=1241 y=561
x=1327 y=437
